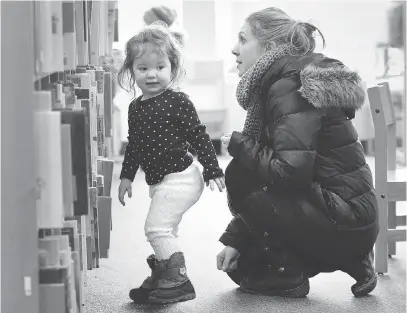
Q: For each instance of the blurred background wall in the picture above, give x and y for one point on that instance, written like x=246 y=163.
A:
x=357 y=32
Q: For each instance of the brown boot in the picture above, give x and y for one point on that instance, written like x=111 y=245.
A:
x=173 y=282
x=140 y=295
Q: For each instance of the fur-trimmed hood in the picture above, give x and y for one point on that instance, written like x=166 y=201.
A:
x=331 y=84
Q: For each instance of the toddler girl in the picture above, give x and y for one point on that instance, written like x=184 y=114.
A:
x=163 y=123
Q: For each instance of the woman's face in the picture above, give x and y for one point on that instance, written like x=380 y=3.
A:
x=247 y=50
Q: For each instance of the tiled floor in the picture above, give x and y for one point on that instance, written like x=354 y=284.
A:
x=107 y=287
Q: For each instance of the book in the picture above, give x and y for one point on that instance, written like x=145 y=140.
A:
x=93 y=113
x=76 y=119
x=95 y=222
x=57 y=37
x=108 y=105
x=69 y=35
x=48 y=248
x=71 y=230
x=95 y=32
x=69 y=93
x=78 y=281
x=43 y=43
x=111 y=16
x=105 y=220
x=102 y=42
x=81 y=32
x=52 y=298
x=48 y=156
x=116 y=23
x=67 y=177
x=105 y=168
x=86 y=106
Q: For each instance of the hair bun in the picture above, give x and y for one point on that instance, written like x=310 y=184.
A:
x=161 y=13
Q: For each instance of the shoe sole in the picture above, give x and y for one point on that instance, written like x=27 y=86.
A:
x=184 y=292
x=298 y=292
x=140 y=296
x=365 y=289
x=182 y=298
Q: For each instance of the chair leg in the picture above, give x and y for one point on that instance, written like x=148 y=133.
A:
x=392 y=224
x=381 y=255
x=381 y=245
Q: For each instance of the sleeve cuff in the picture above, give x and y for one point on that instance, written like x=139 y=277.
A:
x=229 y=240
x=209 y=174
x=127 y=176
x=234 y=144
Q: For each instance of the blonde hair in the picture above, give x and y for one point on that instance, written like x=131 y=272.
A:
x=163 y=41
x=274 y=25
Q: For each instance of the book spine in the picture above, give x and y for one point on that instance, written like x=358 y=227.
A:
x=47 y=136
x=69 y=35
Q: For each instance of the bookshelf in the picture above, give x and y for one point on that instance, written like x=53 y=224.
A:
x=59 y=166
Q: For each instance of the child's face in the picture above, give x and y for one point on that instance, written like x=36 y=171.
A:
x=152 y=71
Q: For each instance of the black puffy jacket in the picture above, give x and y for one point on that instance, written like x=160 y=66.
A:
x=309 y=145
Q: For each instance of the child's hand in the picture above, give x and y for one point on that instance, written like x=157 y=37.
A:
x=220 y=181
x=125 y=186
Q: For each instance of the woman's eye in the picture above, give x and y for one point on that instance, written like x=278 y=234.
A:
x=242 y=39
x=160 y=67
x=142 y=69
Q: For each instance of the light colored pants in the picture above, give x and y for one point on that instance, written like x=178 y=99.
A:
x=170 y=199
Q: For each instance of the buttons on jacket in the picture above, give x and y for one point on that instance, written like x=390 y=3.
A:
x=266 y=234
x=265 y=188
x=266 y=248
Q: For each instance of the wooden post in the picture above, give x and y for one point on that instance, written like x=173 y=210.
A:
x=404 y=100
x=381 y=251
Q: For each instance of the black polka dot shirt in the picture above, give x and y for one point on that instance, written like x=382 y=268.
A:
x=161 y=129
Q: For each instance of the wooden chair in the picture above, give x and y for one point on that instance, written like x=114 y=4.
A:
x=389 y=187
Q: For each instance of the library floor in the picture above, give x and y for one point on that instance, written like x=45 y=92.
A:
x=108 y=286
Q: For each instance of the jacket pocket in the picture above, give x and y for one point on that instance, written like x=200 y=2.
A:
x=345 y=214
x=330 y=206
x=261 y=200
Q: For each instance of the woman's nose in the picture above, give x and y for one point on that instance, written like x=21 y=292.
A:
x=235 y=50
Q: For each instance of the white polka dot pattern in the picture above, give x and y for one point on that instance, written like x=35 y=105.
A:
x=161 y=129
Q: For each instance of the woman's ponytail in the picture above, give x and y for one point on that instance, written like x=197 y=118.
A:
x=301 y=36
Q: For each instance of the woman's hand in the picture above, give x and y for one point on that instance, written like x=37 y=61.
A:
x=125 y=186
x=227 y=259
x=225 y=139
x=220 y=182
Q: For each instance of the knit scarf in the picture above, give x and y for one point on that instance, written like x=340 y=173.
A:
x=248 y=96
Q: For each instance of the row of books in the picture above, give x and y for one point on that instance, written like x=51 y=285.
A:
x=73 y=132
x=72 y=33
x=73 y=169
